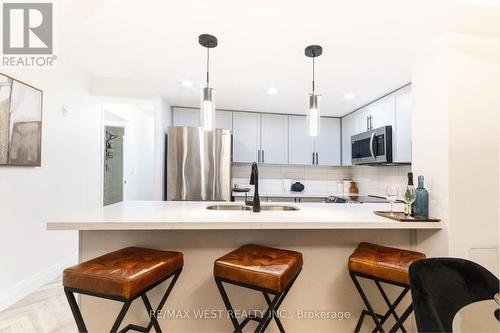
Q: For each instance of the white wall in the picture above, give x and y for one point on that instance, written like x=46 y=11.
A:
x=163 y=119
x=67 y=181
x=138 y=121
x=455 y=144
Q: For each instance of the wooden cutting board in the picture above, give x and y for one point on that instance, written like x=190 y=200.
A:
x=402 y=217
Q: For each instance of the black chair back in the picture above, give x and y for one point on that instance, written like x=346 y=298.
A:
x=440 y=287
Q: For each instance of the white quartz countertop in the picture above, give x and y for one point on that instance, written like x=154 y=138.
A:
x=189 y=215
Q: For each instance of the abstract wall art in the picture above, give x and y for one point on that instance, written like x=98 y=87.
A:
x=20 y=123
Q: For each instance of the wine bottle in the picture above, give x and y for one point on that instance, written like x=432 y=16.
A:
x=422 y=200
x=410 y=195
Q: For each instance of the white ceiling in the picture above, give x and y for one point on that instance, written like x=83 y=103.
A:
x=147 y=48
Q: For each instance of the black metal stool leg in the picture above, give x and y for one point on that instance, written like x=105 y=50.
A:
x=369 y=307
x=392 y=306
x=228 y=305
x=120 y=317
x=404 y=316
x=153 y=320
x=80 y=324
x=269 y=314
x=276 y=318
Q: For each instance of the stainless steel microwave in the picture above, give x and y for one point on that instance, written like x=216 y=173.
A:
x=372 y=147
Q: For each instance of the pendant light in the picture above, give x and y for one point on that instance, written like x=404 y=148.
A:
x=207 y=107
x=313 y=116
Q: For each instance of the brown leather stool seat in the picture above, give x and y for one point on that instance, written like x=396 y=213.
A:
x=259 y=266
x=123 y=275
x=265 y=269
x=383 y=262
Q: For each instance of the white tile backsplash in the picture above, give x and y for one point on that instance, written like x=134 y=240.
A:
x=371 y=180
x=374 y=180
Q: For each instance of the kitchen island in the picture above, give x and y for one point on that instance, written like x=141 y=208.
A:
x=323 y=298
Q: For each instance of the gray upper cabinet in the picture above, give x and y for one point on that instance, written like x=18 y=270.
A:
x=191 y=118
x=301 y=145
x=246 y=137
x=349 y=129
x=328 y=142
x=392 y=110
x=382 y=112
x=186 y=117
x=224 y=119
x=402 y=137
x=274 y=139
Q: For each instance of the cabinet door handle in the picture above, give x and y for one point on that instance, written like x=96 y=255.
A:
x=317 y=158
x=263 y=156
x=258 y=156
x=371 y=122
x=367 y=123
x=313 y=159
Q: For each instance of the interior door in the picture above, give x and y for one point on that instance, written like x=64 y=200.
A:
x=246 y=137
x=328 y=142
x=113 y=165
x=274 y=139
x=301 y=147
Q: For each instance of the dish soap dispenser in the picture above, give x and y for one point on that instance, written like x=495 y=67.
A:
x=422 y=200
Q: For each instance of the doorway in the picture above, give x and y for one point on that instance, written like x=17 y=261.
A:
x=113 y=164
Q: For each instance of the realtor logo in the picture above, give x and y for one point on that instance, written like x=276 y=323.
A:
x=27 y=28
x=28 y=34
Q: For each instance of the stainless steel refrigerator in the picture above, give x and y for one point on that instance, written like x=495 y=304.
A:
x=198 y=164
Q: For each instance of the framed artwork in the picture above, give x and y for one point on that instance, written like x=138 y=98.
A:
x=20 y=123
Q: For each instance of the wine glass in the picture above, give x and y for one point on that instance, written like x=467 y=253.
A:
x=409 y=196
x=391 y=193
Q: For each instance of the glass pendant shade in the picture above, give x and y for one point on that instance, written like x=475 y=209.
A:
x=207 y=109
x=313 y=116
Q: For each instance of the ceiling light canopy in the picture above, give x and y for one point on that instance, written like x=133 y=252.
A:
x=313 y=116
x=272 y=91
x=207 y=108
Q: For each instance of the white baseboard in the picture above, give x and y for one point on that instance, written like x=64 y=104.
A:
x=12 y=294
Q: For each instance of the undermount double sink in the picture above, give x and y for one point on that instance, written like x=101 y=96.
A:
x=249 y=208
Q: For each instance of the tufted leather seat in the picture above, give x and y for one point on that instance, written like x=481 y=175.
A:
x=383 y=262
x=123 y=273
x=259 y=266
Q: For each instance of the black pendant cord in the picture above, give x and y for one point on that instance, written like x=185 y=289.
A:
x=313 y=77
x=208 y=64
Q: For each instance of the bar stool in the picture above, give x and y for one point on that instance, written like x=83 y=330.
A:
x=383 y=264
x=268 y=270
x=123 y=276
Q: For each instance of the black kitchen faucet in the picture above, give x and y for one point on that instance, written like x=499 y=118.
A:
x=254 y=180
